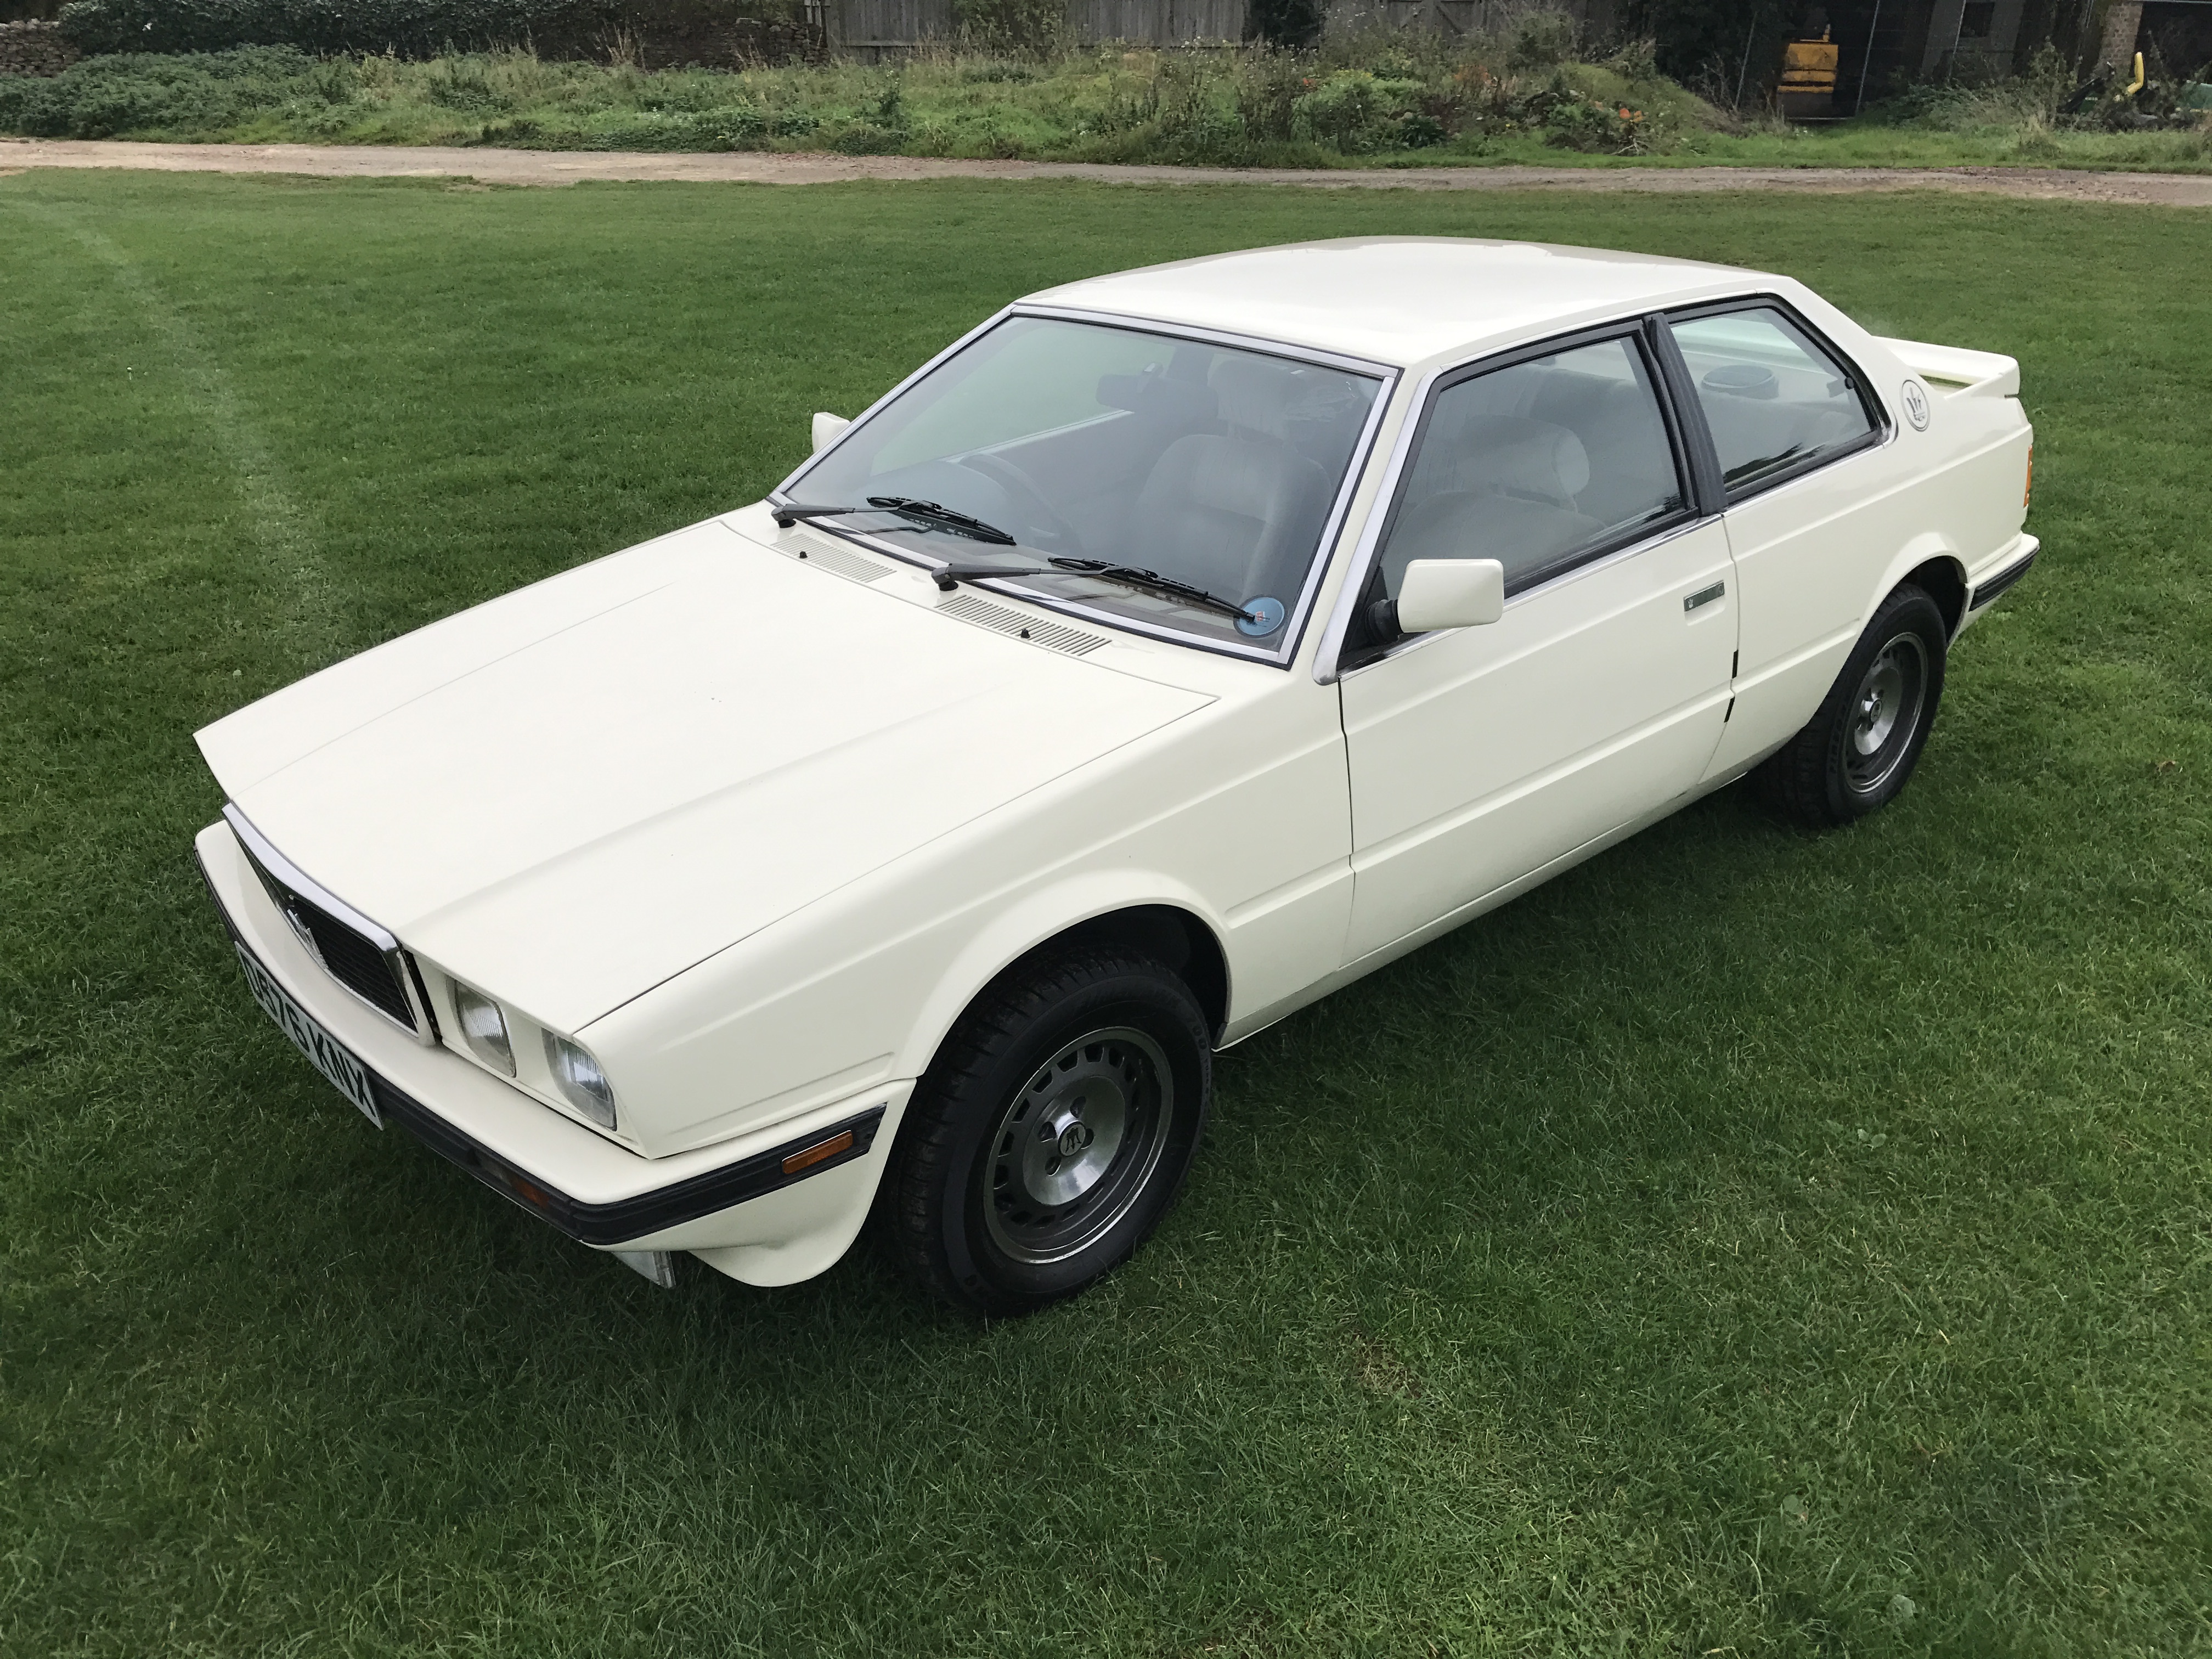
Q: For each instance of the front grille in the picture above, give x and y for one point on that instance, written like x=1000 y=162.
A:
x=352 y=960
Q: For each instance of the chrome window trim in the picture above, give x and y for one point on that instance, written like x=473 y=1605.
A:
x=1259 y=342
x=1295 y=623
x=1328 y=660
x=1883 y=428
x=1325 y=670
x=1573 y=572
x=274 y=865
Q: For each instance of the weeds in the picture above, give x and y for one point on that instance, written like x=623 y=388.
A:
x=1363 y=97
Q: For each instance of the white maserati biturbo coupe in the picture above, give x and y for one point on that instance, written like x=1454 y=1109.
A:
x=1174 y=648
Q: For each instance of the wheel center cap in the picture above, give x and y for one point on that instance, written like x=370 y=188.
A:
x=1074 y=1138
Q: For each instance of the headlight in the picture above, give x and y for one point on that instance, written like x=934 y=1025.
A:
x=483 y=1028
x=579 y=1078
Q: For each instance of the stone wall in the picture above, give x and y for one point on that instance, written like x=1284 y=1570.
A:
x=35 y=48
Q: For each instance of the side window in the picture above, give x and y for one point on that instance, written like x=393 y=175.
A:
x=1771 y=396
x=1537 y=464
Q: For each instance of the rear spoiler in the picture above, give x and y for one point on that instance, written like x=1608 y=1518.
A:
x=1958 y=372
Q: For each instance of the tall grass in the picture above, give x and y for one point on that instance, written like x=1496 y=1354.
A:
x=1366 y=96
x=1370 y=93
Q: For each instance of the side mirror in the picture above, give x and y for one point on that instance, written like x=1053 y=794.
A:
x=1437 y=594
x=826 y=429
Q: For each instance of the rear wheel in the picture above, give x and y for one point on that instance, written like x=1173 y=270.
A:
x=1051 y=1132
x=1860 y=749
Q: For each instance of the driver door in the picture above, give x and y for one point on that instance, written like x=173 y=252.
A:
x=1481 y=755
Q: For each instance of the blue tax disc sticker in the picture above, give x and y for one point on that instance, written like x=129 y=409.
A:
x=1267 y=616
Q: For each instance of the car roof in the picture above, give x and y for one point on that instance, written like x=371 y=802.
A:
x=1404 y=301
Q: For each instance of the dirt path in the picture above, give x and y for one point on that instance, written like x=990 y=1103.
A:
x=535 y=166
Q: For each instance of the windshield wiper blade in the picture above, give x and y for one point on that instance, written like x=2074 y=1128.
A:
x=1130 y=576
x=923 y=515
x=936 y=516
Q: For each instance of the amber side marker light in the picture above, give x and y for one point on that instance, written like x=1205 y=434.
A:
x=839 y=1142
x=2027 y=490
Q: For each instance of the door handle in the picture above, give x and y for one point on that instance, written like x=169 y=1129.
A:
x=1704 y=596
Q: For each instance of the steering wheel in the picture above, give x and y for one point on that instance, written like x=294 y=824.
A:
x=1027 y=496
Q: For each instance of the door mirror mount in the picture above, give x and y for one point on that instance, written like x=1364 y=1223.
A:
x=1439 y=593
x=827 y=427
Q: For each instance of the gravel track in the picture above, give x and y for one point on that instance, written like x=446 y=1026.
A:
x=539 y=167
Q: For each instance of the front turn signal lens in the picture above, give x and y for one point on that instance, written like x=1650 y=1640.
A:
x=580 y=1080
x=483 y=1028
x=2027 y=490
x=839 y=1142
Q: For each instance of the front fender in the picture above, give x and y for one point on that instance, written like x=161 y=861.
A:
x=1037 y=917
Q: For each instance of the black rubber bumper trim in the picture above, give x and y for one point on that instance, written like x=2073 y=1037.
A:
x=1997 y=584
x=623 y=1218
x=620 y=1219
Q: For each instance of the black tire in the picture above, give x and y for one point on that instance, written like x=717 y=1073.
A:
x=997 y=1131
x=1860 y=749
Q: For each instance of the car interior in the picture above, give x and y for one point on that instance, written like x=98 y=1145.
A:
x=1529 y=464
x=1771 y=397
x=1213 y=465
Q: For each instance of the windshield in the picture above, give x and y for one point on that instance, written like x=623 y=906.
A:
x=1212 y=467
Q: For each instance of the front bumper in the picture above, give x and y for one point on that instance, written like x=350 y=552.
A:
x=733 y=1204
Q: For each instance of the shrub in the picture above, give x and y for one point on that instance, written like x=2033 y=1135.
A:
x=1539 y=40
x=669 y=30
x=409 y=27
x=1575 y=120
x=101 y=97
x=1011 y=25
x=1359 y=112
x=1287 y=22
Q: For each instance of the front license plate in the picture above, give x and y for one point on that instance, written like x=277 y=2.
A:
x=325 y=1052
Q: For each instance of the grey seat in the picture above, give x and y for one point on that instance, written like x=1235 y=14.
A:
x=1631 y=466
x=1498 y=488
x=1233 y=511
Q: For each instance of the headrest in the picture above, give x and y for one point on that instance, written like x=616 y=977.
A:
x=1501 y=454
x=1256 y=394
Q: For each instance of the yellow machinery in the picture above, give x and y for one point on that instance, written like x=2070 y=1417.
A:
x=1808 y=77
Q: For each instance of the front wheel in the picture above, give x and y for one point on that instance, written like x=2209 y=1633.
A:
x=1051 y=1132
x=1862 y=747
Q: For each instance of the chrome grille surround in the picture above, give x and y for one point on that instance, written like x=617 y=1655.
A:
x=361 y=956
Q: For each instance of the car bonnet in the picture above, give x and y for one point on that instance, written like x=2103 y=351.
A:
x=574 y=793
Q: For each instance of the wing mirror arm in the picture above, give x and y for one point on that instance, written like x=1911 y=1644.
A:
x=827 y=427
x=1440 y=594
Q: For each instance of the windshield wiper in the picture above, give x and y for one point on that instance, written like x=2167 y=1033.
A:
x=1130 y=576
x=937 y=515
x=786 y=517
x=930 y=515
x=944 y=575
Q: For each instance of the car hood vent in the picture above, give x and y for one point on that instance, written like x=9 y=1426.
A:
x=835 y=556
x=1051 y=635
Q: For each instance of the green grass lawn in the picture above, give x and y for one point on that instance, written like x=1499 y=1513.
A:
x=1747 y=1243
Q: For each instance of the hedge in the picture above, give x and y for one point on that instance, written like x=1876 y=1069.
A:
x=410 y=28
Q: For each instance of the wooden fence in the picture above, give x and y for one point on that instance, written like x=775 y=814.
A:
x=870 y=30
x=1596 y=18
